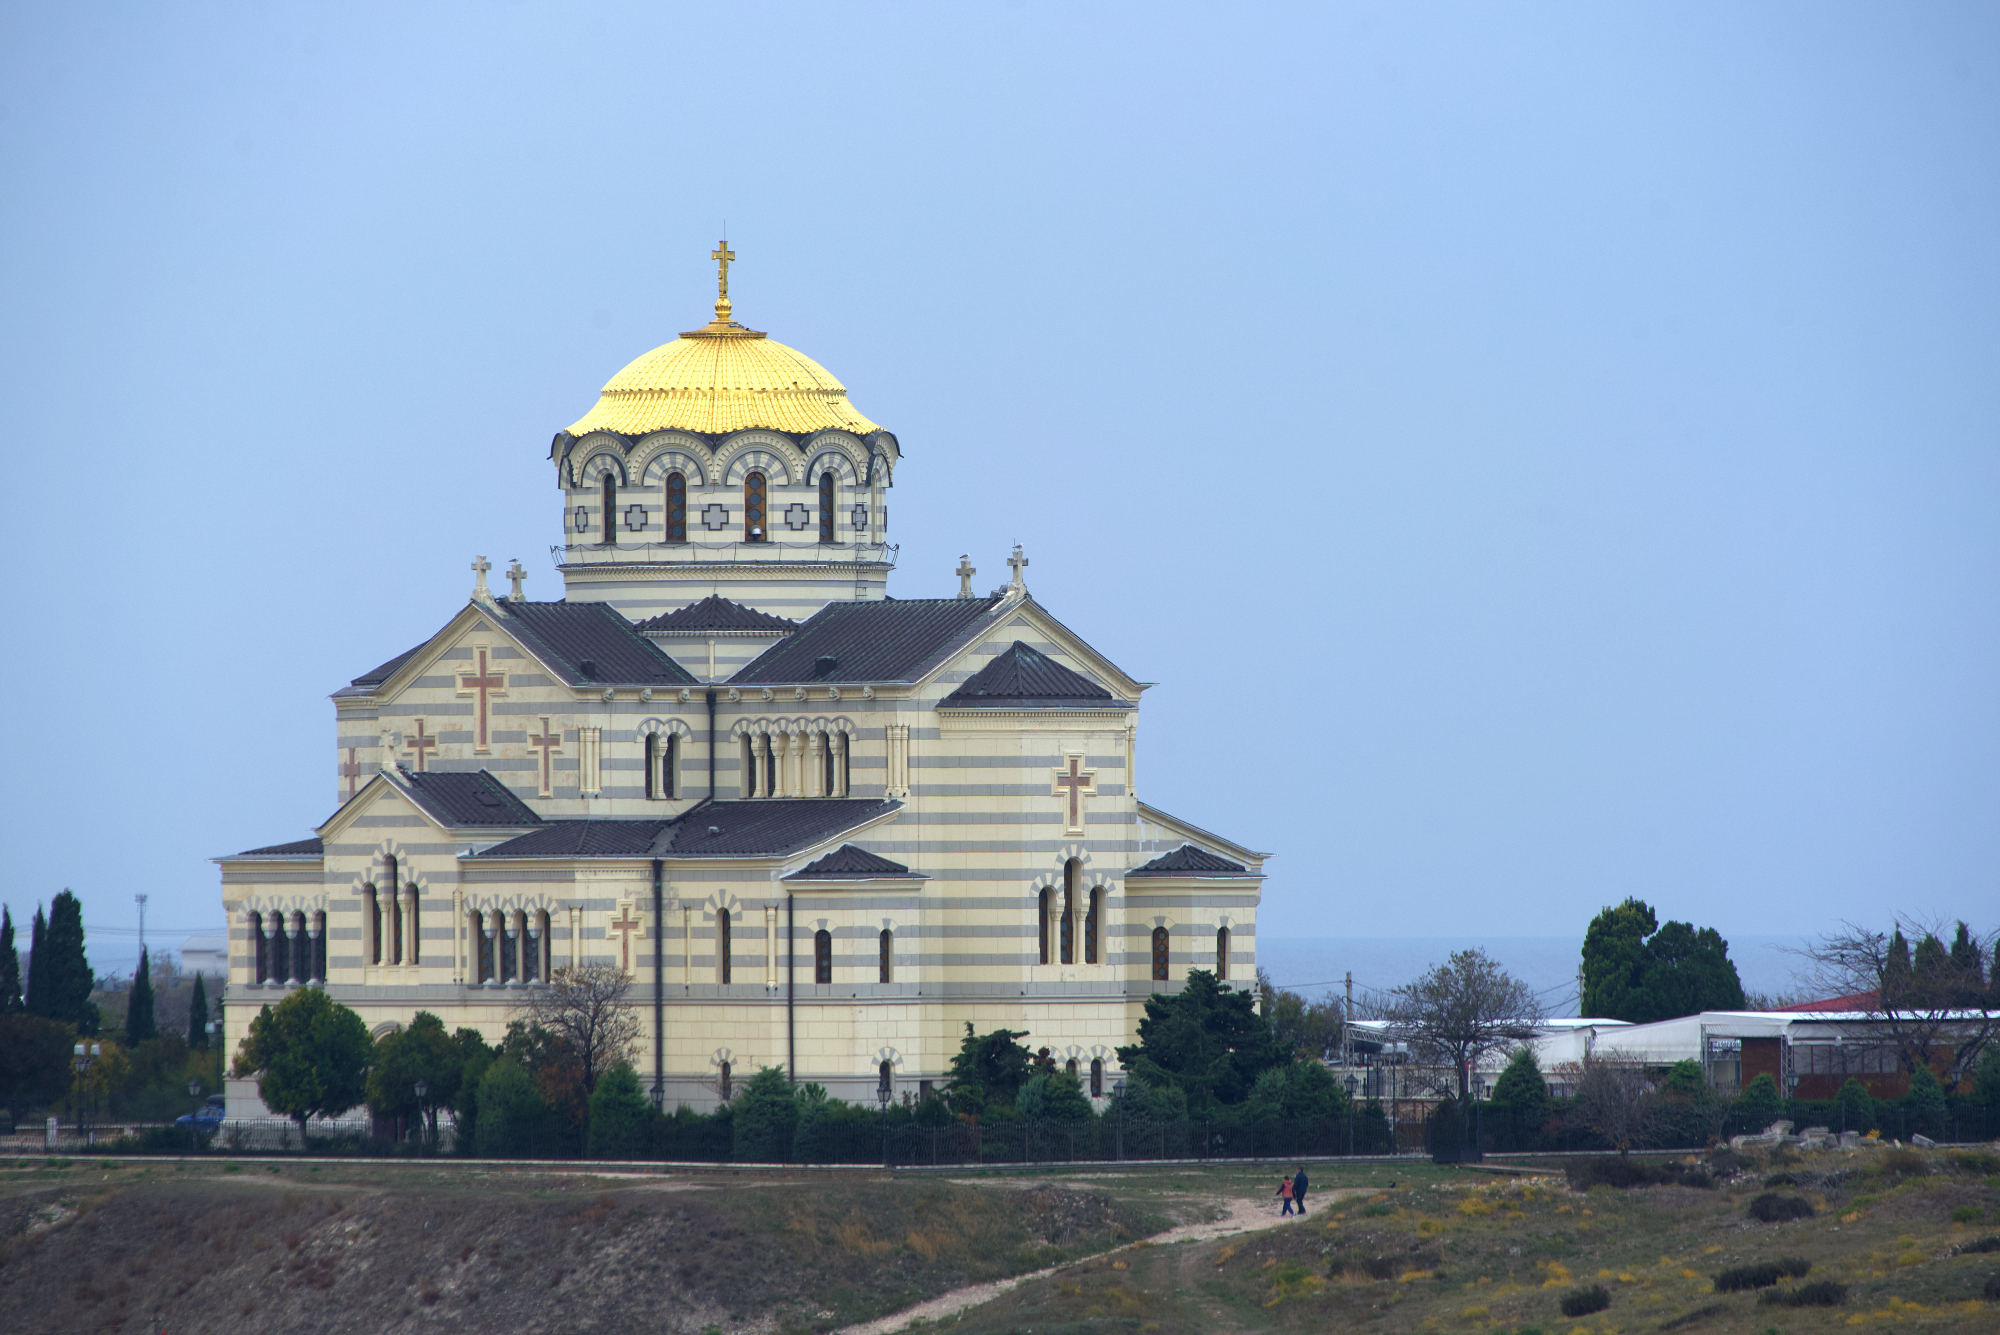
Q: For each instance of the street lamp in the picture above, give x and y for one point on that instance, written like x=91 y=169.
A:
x=194 y=1092
x=1352 y=1085
x=423 y=1123
x=86 y=1056
x=882 y=1095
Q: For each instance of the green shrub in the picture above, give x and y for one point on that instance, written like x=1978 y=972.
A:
x=514 y=1122
x=1924 y=1104
x=766 y=1117
x=1582 y=1302
x=620 y=1117
x=1760 y=1099
x=1820 y=1293
x=1989 y=1243
x=1967 y=1214
x=1992 y=1293
x=1622 y=1173
x=1771 y=1208
x=1760 y=1276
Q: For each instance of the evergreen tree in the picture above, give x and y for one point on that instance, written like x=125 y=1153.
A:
x=1856 y=1105
x=1522 y=1090
x=620 y=1117
x=988 y=1070
x=1925 y=1102
x=139 y=1024
x=59 y=978
x=1931 y=967
x=1760 y=1099
x=1614 y=958
x=1896 y=968
x=1638 y=970
x=37 y=929
x=198 y=1016
x=1208 y=1039
x=514 y=1121
x=766 y=1118
x=10 y=966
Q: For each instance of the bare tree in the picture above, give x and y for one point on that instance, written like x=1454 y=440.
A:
x=1618 y=1102
x=585 y=1008
x=1935 y=1005
x=1461 y=1010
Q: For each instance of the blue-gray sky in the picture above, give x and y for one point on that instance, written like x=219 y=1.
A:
x=1544 y=453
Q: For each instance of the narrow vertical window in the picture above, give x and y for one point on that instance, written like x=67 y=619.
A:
x=415 y=952
x=669 y=775
x=652 y=764
x=1222 y=952
x=722 y=1071
x=547 y=953
x=1159 y=954
x=371 y=910
x=885 y=948
x=609 y=492
x=753 y=508
x=319 y=947
x=262 y=965
x=1043 y=903
x=1090 y=920
x=722 y=946
x=1069 y=912
x=281 y=950
x=1069 y=1068
x=482 y=944
x=1097 y=1077
x=677 y=507
x=826 y=506
x=822 y=956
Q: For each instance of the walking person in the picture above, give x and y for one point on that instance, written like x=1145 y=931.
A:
x=1299 y=1189
x=1285 y=1194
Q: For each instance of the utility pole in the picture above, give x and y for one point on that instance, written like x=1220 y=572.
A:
x=142 y=924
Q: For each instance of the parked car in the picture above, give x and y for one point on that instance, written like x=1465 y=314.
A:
x=206 y=1118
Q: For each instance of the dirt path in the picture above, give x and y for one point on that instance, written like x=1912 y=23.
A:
x=1239 y=1214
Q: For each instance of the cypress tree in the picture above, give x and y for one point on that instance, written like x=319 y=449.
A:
x=139 y=1025
x=10 y=965
x=59 y=978
x=198 y=1015
x=37 y=929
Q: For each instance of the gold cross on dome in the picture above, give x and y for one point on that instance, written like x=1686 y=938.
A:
x=722 y=254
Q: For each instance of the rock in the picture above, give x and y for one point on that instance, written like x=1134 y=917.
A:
x=1849 y=1139
x=1781 y=1127
x=1923 y=1142
x=1816 y=1132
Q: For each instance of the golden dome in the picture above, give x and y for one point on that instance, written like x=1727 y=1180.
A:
x=722 y=378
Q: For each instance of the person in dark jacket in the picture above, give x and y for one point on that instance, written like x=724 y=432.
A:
x=1299 y=1190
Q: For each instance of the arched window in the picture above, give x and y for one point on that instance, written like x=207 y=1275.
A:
x=1222 y=952
x=371 y=908
x=482 y=943
x=822 y=956
x=753 y=508
x=505 y=939
x=1090 y=921
x=1043 y=902
x=826 y=506
x=669 y=783
x=885 y=949
x=653 y=764
x=281 y=950
x=1069 y=912
x=542 y=936
x=1159 y=954
x=885 y=1076
x=677 y=507
x=722 y=949
x=414 y=953
x=391 y=940
x=1097 y=1077
x=722 y=1073
x=263 y=962
x=319 y=947
x=1069 y=1068
x=609 y=492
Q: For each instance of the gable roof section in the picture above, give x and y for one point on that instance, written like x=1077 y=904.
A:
x=1022 y=675
x=376 y=676
x=716 y=612
x=1187 y=860
x=1187 y=832
x=705 y=830
x=465 y=801
x=568 y=636
x=298 y=848
x=848 y=863
x=887 y=640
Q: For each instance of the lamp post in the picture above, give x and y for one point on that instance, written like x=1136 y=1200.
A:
x=194 y=1092
x=882 y=1099
x=86 y=1057
x=1352 y=1084
x=423 y=1122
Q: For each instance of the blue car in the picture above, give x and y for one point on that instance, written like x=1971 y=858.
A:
x=204 y=1119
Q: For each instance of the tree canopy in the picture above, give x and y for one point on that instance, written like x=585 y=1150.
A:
x=59 y=977
x=139 y=1023
x=1461 y=1010
x=1206 y=1039
x=1935 y=1004
x=1635 y=969
x=585 y=1007
x=11 y=1002
x=310 y=1055
x=988 y=1070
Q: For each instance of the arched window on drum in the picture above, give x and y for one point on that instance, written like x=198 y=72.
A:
x=609 y=492
x=826 y=506
x=1160 y=957
x=677 y=507
x=822 y=956
x=753 y=507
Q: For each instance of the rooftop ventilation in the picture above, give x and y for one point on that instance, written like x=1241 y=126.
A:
x=587 y=666
x=824 y=665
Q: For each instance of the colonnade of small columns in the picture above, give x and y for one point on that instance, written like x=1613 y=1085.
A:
x=391 y=920
x=289 y=958
x=511 y=946
x=796 y=764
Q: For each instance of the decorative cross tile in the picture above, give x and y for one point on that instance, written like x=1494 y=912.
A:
x=797 y=516
x=635 y=517
x=582 y=518
x=715 y=516
x=861 y=516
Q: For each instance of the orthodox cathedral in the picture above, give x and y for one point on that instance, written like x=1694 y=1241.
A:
x=818 y=827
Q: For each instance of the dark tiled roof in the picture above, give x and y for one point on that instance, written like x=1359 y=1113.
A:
x=584 y=839
x=567 y=636
x=716 y=612
x=848 y=863
x=300 y=848
x=1024 y=675
x=461 y=800
x=376 y=676
x=741 y=829
x=1187 y=860
x=887 y=640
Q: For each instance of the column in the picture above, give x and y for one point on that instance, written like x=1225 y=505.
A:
x=816 y=753
x=839 y=743
x=770 y=945
x=760 y=752
x=412 y=952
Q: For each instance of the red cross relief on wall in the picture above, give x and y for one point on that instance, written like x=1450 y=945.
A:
x=625 y=924
x=548 y=741
x=420 y=742
x=350 y=770
x=482 y=684
x=1077 y=783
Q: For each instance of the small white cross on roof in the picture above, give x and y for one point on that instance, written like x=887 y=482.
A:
x=480 y=565
x=1019 y=563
